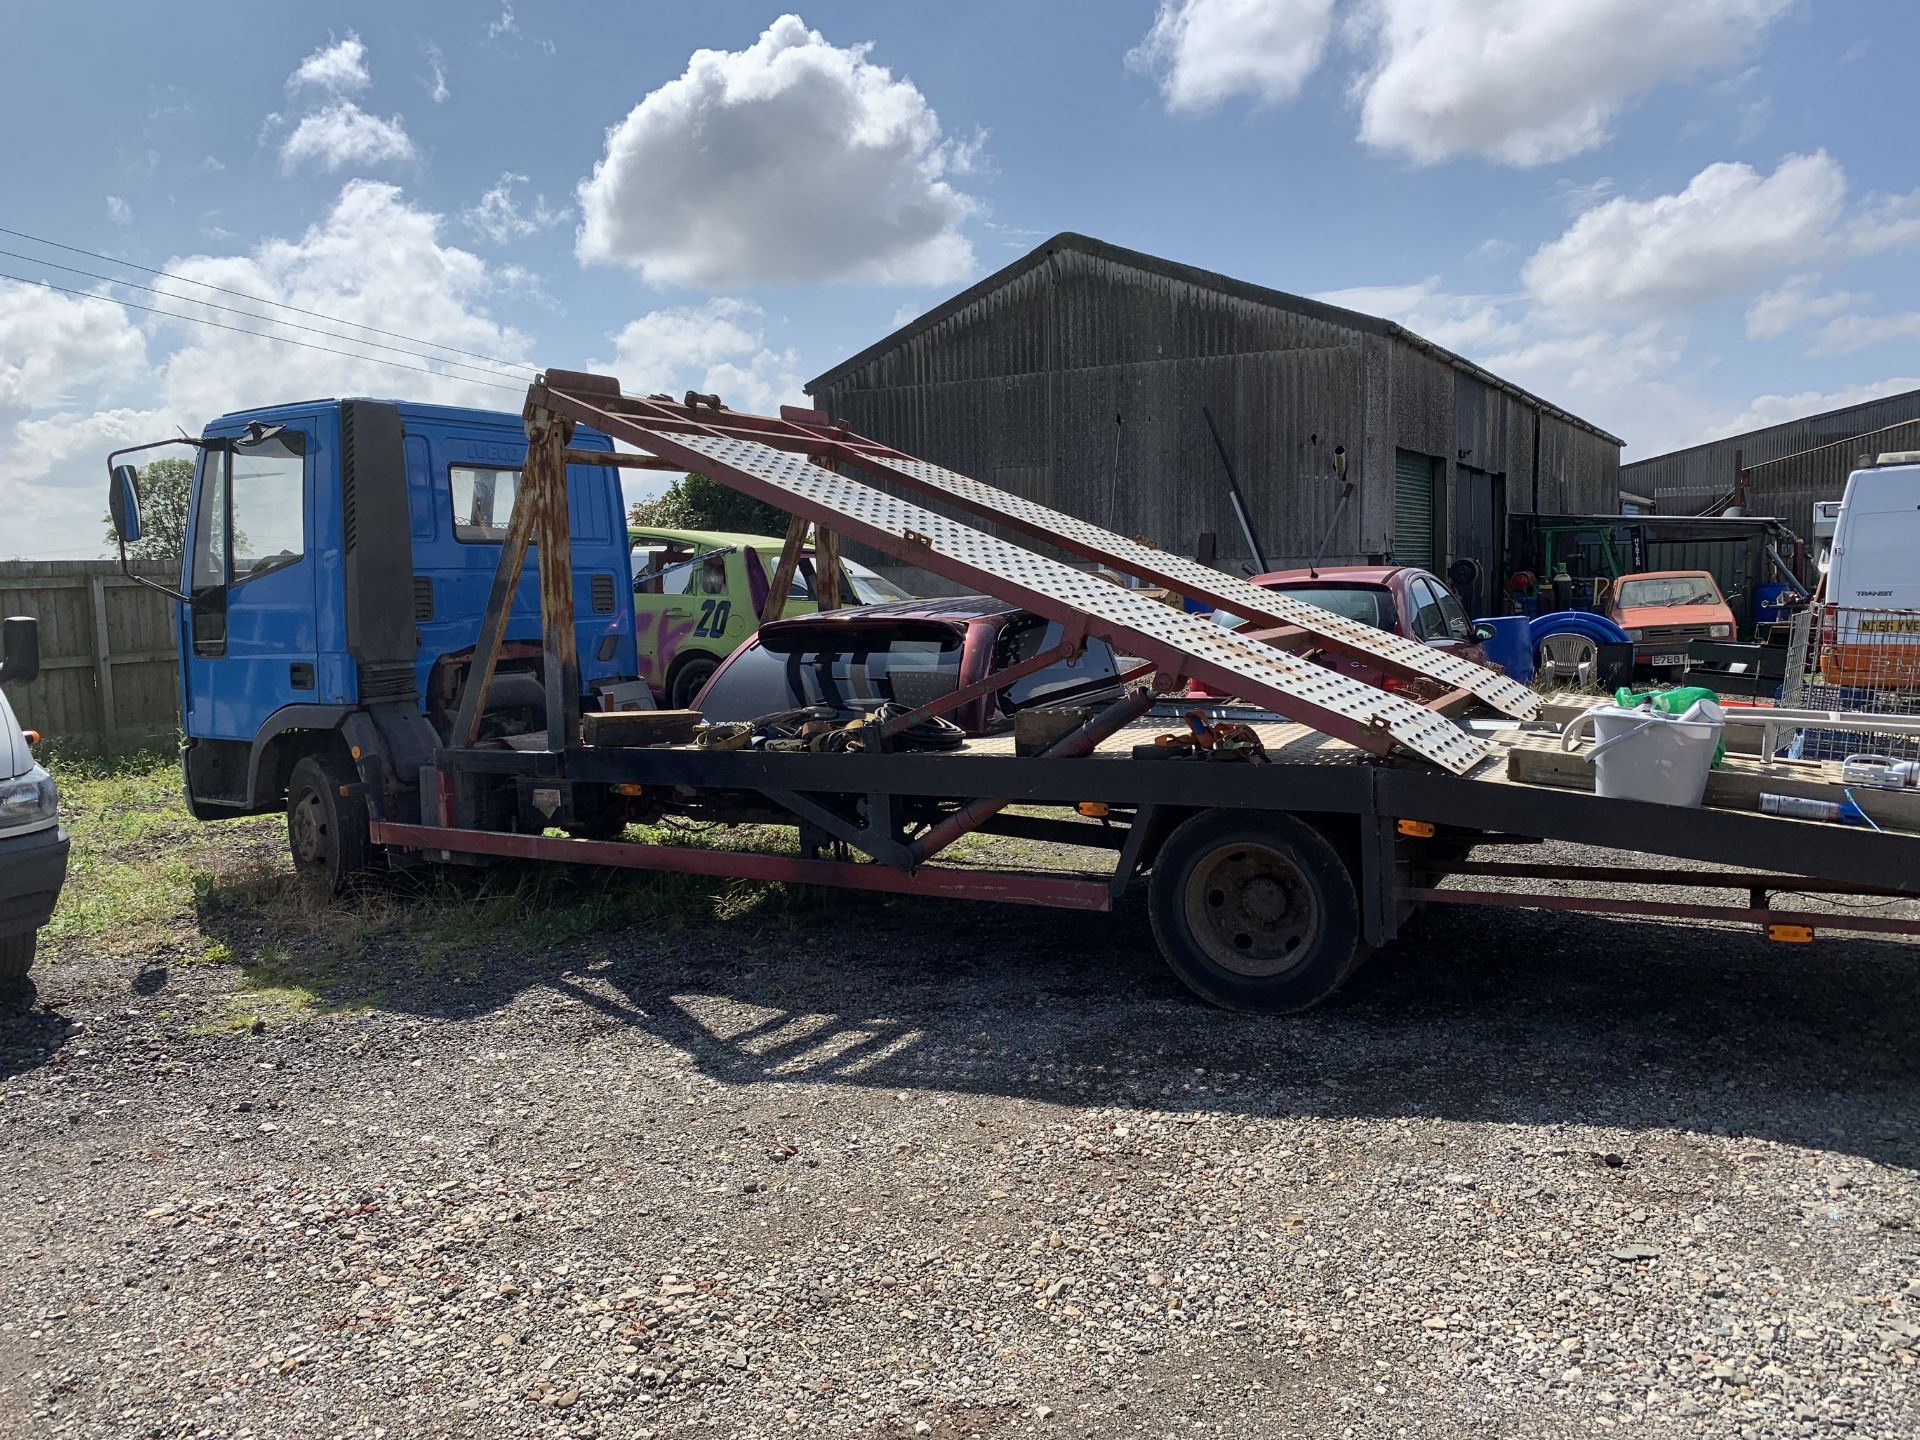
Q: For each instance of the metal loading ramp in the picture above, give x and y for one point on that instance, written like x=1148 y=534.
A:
x=1230 y=592
x=1177 y=644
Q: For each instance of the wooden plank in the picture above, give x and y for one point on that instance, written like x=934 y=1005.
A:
x=613 y=728
x=102 y=655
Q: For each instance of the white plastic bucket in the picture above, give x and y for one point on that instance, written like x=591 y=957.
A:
x=1640 y=754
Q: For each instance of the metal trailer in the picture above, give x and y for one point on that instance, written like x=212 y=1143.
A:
x=1272 y=868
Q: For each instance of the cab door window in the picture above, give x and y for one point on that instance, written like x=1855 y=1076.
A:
x=207 y=567
x=267 y=483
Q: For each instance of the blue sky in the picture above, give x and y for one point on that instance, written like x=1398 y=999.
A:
x=1677 y=218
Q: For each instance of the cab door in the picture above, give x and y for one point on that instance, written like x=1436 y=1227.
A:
x=249 y=632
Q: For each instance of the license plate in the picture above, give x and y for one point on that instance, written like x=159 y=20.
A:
x=1679 y=659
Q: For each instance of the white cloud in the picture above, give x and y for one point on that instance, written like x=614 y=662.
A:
x=1526 y=82
x=717 y=347
x=1844 y=334
x=1591 y=363
x=1796 y=304
x=342 y=134
x=52 y=346
x=1885 y=222
x=498 y=216
x=339 y=68
x=792 y=161
x=1730 y=229
x=435 y=80
x=1469 y=324
x=504 y=26
x=1207 y=51
x=56 y=352
x=1765 y=410
x=75 y=376
x=119 y=211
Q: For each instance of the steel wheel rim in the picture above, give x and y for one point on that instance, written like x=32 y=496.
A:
x=1251 y=910
x=307 y=832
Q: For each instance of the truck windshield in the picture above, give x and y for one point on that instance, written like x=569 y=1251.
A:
x=1668 y=590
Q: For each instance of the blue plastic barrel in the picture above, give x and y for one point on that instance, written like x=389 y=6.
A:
x=1766 y=600
x=1511 y=647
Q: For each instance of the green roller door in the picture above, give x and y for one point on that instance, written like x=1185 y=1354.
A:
x=1412 y=509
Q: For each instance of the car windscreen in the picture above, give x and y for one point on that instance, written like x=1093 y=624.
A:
x=1369 y=604
x=848 y=667
x=1666 y=591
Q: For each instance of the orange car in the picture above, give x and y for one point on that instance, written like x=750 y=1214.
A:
x=1663 y=610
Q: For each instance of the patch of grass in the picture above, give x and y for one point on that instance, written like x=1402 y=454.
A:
x=147 y=881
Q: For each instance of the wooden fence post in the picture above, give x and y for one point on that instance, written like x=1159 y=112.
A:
x=102 y=660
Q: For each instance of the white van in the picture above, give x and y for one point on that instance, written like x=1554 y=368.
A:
x=33 y=847
x=1876 y=539
x=1875 y=569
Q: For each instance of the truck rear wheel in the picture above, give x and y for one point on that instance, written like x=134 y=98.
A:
x=1254 y=911
x=327 y=832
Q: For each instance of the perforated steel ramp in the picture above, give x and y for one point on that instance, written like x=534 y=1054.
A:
x=1189 y=576
x=1175 y=642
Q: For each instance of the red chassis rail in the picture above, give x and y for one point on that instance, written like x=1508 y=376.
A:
x=1053 y=891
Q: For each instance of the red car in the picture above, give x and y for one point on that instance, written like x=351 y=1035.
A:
x=1399 y=598
x=850 y=660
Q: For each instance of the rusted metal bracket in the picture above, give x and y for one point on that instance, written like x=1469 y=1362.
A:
x=864 y=838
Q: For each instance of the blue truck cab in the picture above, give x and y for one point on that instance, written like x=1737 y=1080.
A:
x=339 y=558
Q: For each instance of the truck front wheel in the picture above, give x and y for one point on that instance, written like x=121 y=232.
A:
x=1254 y=911
x=327 y=832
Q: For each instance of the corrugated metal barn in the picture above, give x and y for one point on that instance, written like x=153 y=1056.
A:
x=1079 y=376
x=1789 y=466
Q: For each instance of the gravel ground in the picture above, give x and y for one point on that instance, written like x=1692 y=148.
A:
x=969 y=1171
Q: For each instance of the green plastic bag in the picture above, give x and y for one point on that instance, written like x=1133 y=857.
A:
x=1676 y=701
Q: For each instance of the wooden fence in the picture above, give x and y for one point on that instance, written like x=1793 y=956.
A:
x=108 y=673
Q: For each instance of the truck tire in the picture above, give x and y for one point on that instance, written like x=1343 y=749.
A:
x=687 y=680
x=327 y=832
x=1255 y=912
x=16 y=959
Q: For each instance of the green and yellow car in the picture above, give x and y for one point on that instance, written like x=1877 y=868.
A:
x=697 y=594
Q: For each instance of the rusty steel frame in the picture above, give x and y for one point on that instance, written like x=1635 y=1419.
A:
x=1051 y=891
x=1752 y=881
x=653 y=424
x=1661 y=909
x=810 y=432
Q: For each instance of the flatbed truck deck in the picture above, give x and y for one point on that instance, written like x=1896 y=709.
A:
x=1280 y=840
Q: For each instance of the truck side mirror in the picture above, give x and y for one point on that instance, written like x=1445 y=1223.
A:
x=123 y=503
x=19 y=648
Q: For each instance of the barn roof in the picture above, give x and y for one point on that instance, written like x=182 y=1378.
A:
x=1204 y=279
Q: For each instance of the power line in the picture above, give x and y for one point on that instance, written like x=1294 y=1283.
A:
x=262 y=300
x=257 y=334
x=249 y=314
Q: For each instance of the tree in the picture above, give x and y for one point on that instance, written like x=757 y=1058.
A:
x=166 y=497
x=693 y=502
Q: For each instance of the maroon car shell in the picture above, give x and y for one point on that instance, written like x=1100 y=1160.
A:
x=848 y=659
x=1401 y=599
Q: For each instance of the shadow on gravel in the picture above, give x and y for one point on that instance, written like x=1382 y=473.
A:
x=1520 y=1017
